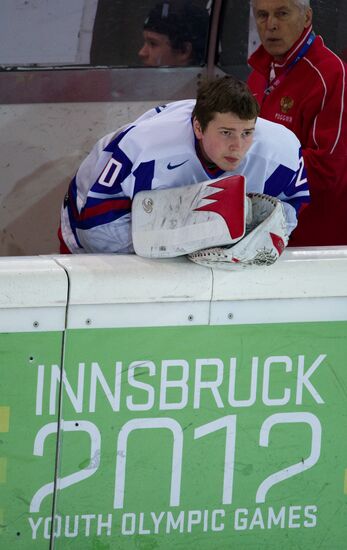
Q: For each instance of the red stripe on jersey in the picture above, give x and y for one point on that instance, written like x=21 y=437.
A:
x=63 y=249
x=106 y=206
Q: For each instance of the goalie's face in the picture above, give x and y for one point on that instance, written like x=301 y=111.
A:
x=226 y=139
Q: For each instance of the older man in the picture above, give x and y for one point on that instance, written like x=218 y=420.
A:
x=300 y=83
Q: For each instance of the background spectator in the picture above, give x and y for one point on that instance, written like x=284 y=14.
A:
x=175 y=33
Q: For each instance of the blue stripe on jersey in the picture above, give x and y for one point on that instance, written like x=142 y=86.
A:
x=144 y=176
x=72 y=208
x=290 y=182
x=101 y=219
x=276 y=183
x=160 y=108
x=299 y=183
x=96 y=211
x=112 y=147
x=73 y=189
x=120 y=162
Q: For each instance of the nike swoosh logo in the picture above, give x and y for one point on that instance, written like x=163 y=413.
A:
x=173 y=166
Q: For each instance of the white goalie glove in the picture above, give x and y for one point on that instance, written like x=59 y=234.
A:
x=265 y=239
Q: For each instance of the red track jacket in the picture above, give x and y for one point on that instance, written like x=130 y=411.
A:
x=311 y=101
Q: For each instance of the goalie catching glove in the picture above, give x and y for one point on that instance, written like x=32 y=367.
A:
x=266 y=238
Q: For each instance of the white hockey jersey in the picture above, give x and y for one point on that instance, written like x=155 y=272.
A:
x=159 y=150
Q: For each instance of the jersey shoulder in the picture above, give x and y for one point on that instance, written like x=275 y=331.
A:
x=275 y=142
x=162 y=134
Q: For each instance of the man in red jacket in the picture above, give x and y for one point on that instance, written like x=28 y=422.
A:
x=300 y=83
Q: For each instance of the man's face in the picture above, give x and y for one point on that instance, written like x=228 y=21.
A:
x=157 y=51
x=226 y=139
x=280 y=23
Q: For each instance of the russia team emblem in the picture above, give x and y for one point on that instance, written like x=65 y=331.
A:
x=286 y=104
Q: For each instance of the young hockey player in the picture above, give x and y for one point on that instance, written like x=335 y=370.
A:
x=175 y=145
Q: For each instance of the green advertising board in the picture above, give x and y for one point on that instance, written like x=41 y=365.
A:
x=28 y=438
x=200 y=437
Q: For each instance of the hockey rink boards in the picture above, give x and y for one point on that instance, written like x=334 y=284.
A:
x=190 y=428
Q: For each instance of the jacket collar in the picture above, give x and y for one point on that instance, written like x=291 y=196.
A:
x=261 y=60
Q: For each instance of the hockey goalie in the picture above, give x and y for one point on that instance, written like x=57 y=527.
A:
x=215 y=223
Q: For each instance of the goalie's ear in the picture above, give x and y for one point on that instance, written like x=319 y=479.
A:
x=197 y=128
x=177 y=221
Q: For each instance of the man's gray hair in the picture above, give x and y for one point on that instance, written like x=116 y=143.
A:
x=300 y=3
